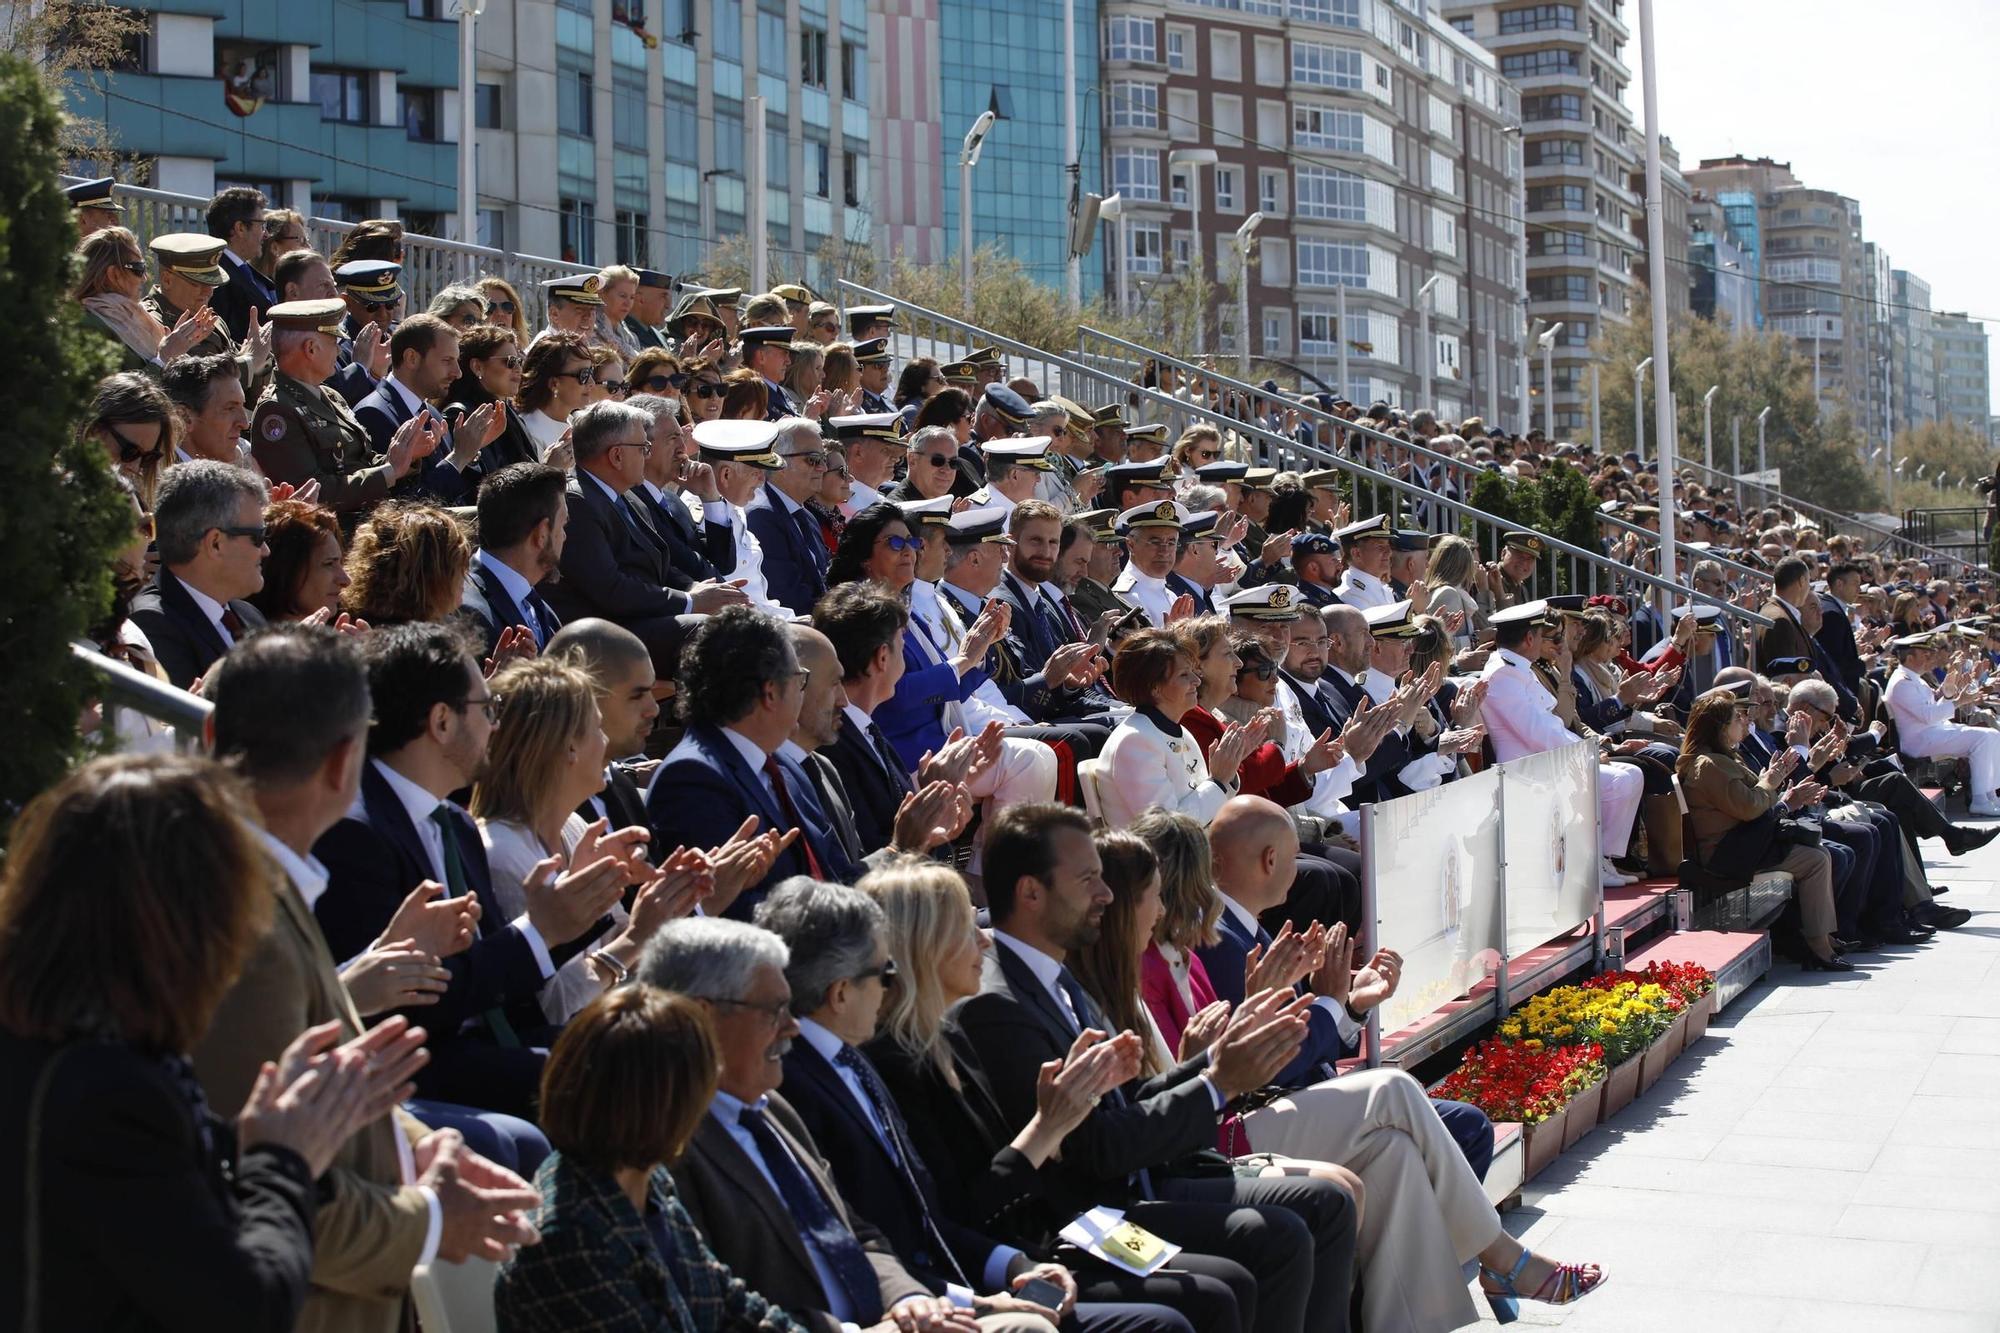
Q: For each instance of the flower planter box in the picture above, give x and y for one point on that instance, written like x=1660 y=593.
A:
x=1663 y=1052
x=1699 y=1013
x=1621 y=1085
x=1542 y=1143
x=1580 y=1115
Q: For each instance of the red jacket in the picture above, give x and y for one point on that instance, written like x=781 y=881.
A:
x=1264 y=772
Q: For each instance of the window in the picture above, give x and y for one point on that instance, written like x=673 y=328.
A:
x=342 y=95
x=1144 y=252
x=1225 y=189
x=1573 y=288
x=1532 y=64
x=853 y=70
x=1444 y=173
x=812 y=57
x=1552 y=106
x=1550 y=241
x=729 y=137
x=628 y=238
x=1177 y=189
x=1129 y=38
x=576 y=98
x=1135 y=173
x=1444 y=232
x=1225 y=56
x=1325 y=66
x=1339 y=13
x=1331 y=263
x=1183 y=110
x=682 y=142
x=677 y=19
x=777 y=158
x=493 y=227
x=1226 y=121
x=853 y=178
x=1135 y=106
x=725 y=29
x=1326 y=127
x=1538 y=18
x=486 y=107
x=1340 y=196
x=1177 y=50
x=628 y=107
x=1319 y=333
x=1270 y=189
x=1554 y=152
x=417 y=111
x=818 y=173
x=1546 y=198
x=579 y=231
x=1274 y=333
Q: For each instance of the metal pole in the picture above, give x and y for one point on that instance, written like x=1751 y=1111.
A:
x=1736 y=459
x=756 y=174
x=1549 y=385
x=965 y=231
x=1761 y=466
x=1596 y=437
x=1707 y=424
x=468 y=116
x=1500 y=997
x=1424 y=349
x=1663 y=388
x=1243 y=312
x=1521 y=369
x=1073 y=271
x=1492 y=377
x=1639 y=408
x=1340 y=332
x=1124 y=305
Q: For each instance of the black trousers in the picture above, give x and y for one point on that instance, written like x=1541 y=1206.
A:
x=1211 y=1292
x=1326 y=887
x=1295 y=1234
x=1913 y=810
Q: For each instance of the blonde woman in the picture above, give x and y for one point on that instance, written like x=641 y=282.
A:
x=1450 y=578
x=503 y=307
x=545 y=760
x=111 y=278
x=407 y=563
x=284 y=232
x=839 y=372
x=618 y=287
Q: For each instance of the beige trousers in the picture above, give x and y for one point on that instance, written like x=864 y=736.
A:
x=1426 y=1212
x=1812 y=887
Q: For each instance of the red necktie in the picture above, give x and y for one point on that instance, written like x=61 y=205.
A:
x=232 y=622
x=791 y=813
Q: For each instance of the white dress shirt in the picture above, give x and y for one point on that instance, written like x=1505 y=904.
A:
x=1426 y=770
x=212 y=609
x=988 y=702
x=749 y=555
x=1149 y=594
x=1520 y=712
x=1363 y=591
x=512 y=853
x=1917 y=708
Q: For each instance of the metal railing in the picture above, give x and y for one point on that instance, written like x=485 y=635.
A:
x=1752 y=495
x=1961 y=529
x=121 y=686
x=429 y=263
x=1568 y=568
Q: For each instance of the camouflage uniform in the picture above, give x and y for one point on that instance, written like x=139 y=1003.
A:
x=304 y=431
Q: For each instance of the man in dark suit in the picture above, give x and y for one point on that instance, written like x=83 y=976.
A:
x=237 y=216
x=752 y=1179
x=839 y=970
x=795 y=555
x=649 y=310
x=1785 y=636
x=423 y=358
x=866 y=634
x=523 y=511
x=609 y=564
x=433 y=717
x=1047 y=895
x=208 y=519
x=699 y=552
x=1045 y=639
x=740 y=691
x=1836 y=628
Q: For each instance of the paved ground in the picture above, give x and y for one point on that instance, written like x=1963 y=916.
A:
x=1825 y=1160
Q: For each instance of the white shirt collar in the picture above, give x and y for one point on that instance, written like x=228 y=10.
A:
x=510 y=578
x=410 y=400
x=786 y=504
x=307 y=875
x=753 y=754
x=859 y=718
x=1045 y=968
x=209 y=606
x=1359 y=579
x=1240 y=914
x=419 y=803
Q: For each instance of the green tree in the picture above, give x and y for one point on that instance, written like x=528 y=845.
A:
x=1820 y=454
x=62 y=520
x=1952 y=457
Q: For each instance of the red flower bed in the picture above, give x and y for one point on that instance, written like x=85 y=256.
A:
x=1526 y=1082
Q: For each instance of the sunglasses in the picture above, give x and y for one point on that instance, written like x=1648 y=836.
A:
x=504 y=306
x=828 y=328
x=659 y=382
x=836 y=472
x=941 y=460
x=612 y=386
x=815 y=459
x=128 y=452
x=136 y=267
x=585 y=376
x=254 y=535
x=887 y=972
x=901 y=544
x=707 y=390
x=490 y=705
x=512 y=361
x=1261 y=670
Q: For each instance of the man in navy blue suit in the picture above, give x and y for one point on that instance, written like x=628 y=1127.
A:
x=237 y=216
x=522 y=514
x=740 y=691
x=1836 y=628
x=795 y=555
x=423 y=360
x=768 y=351
x=433 y=716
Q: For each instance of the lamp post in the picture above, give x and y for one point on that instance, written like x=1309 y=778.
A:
x=468 y=116
x=1736 y=458
x=968 y=158
x=1424 y=349
x=1244 y=235
x=1760 y=446
x=1194 y=159
x=1112 y=210
x=1596 y=437
x=1813 y=315
x=1639 y=407
x=1548 y=345
x=1072 y=162
x=1707 y=424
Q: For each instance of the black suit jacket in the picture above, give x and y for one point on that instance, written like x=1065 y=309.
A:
x=1836 y=636
x=1015 y=1026
x=873 y=790
x=611 y=571
x=833 y=799
x=226 y=1239
x=485 y=602
x=696 y=554
x=1377 y=780
x=185 y=641
x=245 y=291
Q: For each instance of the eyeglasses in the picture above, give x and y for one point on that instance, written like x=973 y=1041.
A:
x=490 y=705
x=506 y=307
x=901 y=544
x=1261 y=670
x=128 y=452
x=136 y=267
x=941 y=460
x=833 y=328
x=643 y=446
x=887 y=971
x=659 y=382
x=512 y=361
x=612 y=386
x=805 y=676
x=584 y=376
x=773 y=1013
x=703 y=389
x=836 y=472
x=255 y=535
x=816 y=459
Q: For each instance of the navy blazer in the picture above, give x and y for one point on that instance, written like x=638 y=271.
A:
x=185 y=641
x=704 y=790
x=1598 y=712
x=1225 y=960
x=246 y=291
x=913 y=718
x=794 y=566
x=608 y=569
x=696 y=554
x=1836 y=636
x=486 y=603
x=1378 y=776
x=382 y=413
x=1179 y=584
x=874 y=792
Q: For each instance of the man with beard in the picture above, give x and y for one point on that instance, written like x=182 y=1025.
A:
x=1046 y=636
x=1088 y=564
x=522 y=515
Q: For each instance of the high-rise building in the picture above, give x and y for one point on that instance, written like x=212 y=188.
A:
x=1913 y=361
x=1721 y=265
x=1876 y=417
x=1375 y=142
x=1958 y=349
x=348 y=110
x=1677 y=234
x=1580 y=147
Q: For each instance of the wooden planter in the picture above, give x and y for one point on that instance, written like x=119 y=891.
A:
x=1621 y=1085
x=1580 y=1115
x=1542 y=1143
x=1698 y=1014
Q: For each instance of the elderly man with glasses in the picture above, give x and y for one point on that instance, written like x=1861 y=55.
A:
x=795 y=554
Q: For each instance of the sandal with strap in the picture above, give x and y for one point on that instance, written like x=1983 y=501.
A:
x=1569 y=1282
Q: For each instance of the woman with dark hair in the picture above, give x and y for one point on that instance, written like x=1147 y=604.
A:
x=702 y=395
x=115 y=636
x=1264 y=771
x=623 y=1091
x=304 y=569
x=745 y=396
x=1256 y=683
x=132 y=417
x=129 y=1204
x=865 y=550
x=407 y=563
x=556 y=375
x=1735 y=815
x=607 y=381
x=1150 y=759
x=375 y=238
x=1291 y=508
x=655 y=370
x=919 y=381
x=950 y=408
x=489 y=371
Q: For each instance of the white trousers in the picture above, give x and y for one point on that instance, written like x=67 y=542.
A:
x=1620 y=789
x=1025 y=771
x=1426 y=1212
x=1951 y=740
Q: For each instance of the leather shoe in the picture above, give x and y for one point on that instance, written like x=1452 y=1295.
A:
x=1814 y=963
x=1958 y=840
x=1939 y=917
x=1896 y=932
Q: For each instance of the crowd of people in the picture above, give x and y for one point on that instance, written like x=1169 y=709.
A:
x=746 y=834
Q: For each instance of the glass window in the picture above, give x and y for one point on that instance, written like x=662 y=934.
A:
x=1144 y=251
x=1529 y=64
x=579 y=231
x=729 y=137
x=1326 y=127
x=725 y=29
x=417 y=109
x=777 y=159
x=1325 y=66
x=1555 y=241
x=576 y=97
x=1225 y=188
x=1135 y=106
x=1571 y=287
x=1319 y=333
x=1177 y=188
x=486 y=106
x=629 y=237
x=853 y=70
x=1323 y=192
x=1270 y=189
x=677 y=18
x=771 y=42
x=1544 y=198
x=1128 y=37
x=818 y=180
x=1552 y=106
x=341 y=95
x=628 y=107
x=1331 y=263
x=812 y=57
x=854 y=183
x=1135 y=173
x=1538 y=18
x=683 y=137
x=1554 y=152
x=1177 y=49
x=1340 y=13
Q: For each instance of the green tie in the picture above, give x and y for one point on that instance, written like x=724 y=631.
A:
x=454 y=887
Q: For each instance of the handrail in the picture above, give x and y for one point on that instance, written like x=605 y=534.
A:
x=1688 y=549
x=1829 y=519
x=1284 y=445
x=126 y=687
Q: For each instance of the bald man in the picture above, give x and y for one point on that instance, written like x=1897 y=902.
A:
x=622 y=670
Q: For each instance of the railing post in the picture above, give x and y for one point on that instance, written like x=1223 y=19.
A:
x=1373 y=1032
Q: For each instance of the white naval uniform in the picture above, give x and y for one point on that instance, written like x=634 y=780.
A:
x=1924 y=729
x=1520 y=716
x=1363 y=592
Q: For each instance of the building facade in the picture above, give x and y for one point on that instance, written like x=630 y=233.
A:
x=1579 y=148
x=1958 y=350
x=1912 y=357
x=1374 y=141
x=1721 y=265
x=346 y=110
x=1677 y=230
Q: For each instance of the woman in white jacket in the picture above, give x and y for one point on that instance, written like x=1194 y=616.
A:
x=1151 y=760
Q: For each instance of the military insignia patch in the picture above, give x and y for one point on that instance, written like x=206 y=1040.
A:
x=1281 y=595
x=273 y=428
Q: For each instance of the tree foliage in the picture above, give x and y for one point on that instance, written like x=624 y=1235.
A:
x=1821 y=454
x=1941 y=449
x=62 y=520
x=71 y=41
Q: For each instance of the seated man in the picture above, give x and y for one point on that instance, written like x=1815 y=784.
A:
x=522 y=517
x=1048 y=655
x=433 y=717
x=795 y=555
x=839 y=970
x=753 y=1179
x=1924 y=728
x=208 y=519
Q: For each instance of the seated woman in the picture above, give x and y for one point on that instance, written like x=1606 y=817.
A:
x=111 y=278
x=623 y=1091
x=1735 y=812
x=489 y=371
x=305 y=572
x=546 y=759
x=984 y=1178
x=1265 y=770
x=120 y=728
x=1426 y=1212
x=1151 y=760
x=140 y=1207
x=1607 y=702
x=407 y=564
x=135 y=422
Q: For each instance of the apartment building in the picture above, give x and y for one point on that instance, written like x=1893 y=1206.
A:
x=1374 y=139
x=1913 y=358
x=1677 y=231
x=1958 y=350
x=1722 y=265
x=1579 y=147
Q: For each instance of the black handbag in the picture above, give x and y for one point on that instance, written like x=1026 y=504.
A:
x=1799 y=833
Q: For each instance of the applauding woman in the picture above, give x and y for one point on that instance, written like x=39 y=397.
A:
x=1151 y=759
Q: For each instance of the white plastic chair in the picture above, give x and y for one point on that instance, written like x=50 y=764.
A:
x=455 y=1298
x=1089 y=772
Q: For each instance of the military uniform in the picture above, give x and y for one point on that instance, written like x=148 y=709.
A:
x=217 y=343
x=303 y=432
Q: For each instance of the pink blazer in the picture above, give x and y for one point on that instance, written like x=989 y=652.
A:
x=1163 y=1000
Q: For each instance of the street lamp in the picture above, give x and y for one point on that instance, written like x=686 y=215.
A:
x=1707 y=417
x=468 y=117
x=968 y=158
x=1813 y=315
x=1425 y=352
x=1112 y=209
x=1548 y=345
x=1639 y=407
x=1194 y=159
x=1244 y=234
x=1760 y=444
